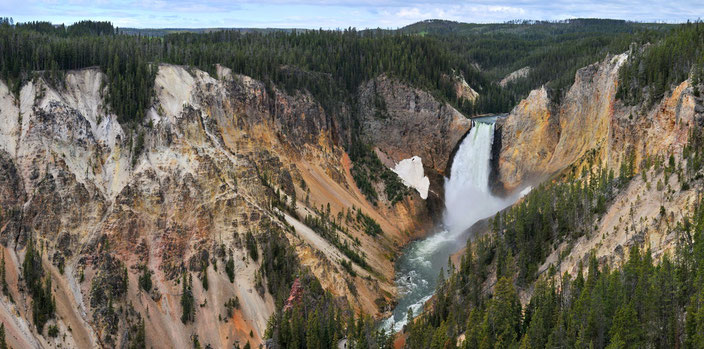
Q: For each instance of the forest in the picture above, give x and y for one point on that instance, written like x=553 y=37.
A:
x=652 y=71
x=553 y=50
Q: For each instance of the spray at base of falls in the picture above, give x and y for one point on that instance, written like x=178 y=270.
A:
x=468 y=200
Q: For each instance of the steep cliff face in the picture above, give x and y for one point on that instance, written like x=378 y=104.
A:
x=528 y=139
x=647 y=211
x=540 y=139
x=586 y=112
x=409 y=111
x=183 y=192
x=589 y=129
x=403 y=122
x=662 y=130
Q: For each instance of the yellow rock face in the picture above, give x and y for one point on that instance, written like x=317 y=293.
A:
x=592 y=128
x=589 y=126
x=529 y=137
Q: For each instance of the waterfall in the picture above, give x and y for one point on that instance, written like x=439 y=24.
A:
x=467 y=200
x=467 y=195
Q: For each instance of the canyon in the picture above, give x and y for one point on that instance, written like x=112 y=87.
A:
x=228 y=168
x=181 y=193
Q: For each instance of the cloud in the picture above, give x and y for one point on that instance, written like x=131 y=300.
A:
x=505 y=9
x=337 y=14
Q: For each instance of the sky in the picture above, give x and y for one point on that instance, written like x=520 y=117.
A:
x=334 y=14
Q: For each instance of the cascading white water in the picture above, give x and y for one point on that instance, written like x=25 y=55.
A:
x=467 y=200
x=467 y=195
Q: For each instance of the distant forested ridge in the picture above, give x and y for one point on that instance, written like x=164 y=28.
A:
x=553 y=50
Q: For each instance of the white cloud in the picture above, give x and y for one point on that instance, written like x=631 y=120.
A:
x=409 y=13
x=340 y=13
x=505 y=9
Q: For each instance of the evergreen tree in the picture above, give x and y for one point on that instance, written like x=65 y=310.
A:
x=503 y=319
x=43 y=306
x=252 y=246
x=145 y=279
x=3 y=342
x=187 y=301
x=230 y=267
x=626 y=327
x=3 y=276
x=138 y=339
x=694 y=325
x=204 y=280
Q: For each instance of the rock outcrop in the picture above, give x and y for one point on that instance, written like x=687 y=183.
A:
x=586 y=111
x=514 y=76
x=436 y=127
x=540 y=139
x=462 y=89
x=528 y=139
x=402 y=122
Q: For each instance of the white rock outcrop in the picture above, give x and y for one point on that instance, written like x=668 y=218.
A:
x=9 y=126
x=411 y=173
x=516 y=75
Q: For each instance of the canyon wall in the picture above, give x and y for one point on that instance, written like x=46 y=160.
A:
x=182 y=192
x=402 y=122
x=591 y=128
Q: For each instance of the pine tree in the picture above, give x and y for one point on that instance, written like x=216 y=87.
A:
x=3 y=276
x=230 y=268
x=312 y=337
x=503 y=320
x=205 y=279
x=145 y=280
x=694 y=323
x=252 y=246
x=3 y=342
x=138 y=338
x=187 y=301
x=626 y=326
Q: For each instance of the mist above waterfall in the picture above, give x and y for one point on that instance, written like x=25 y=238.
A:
x=468 y=199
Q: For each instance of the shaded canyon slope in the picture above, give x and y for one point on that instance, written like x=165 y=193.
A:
x=410 y=122
x=187 y=191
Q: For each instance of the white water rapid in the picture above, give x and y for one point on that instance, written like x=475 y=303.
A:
x=467 y=200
